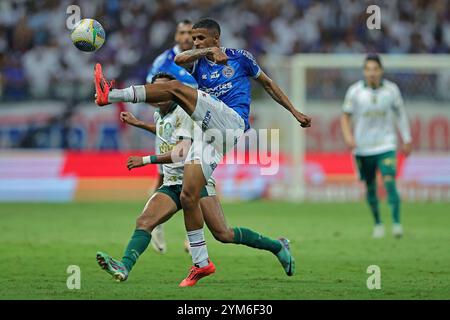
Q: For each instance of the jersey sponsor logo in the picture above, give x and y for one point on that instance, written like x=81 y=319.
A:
x=375 y=113
x=220 y=89
x=177 y=122
x=204 y=77
x=213 y=165
x=214 y=75
x=166 y=147
x=228 y=71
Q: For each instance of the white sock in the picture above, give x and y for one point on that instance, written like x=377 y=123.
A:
x=133 y=94
x=199 y=252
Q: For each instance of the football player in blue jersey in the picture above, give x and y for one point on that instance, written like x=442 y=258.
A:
x=220 y=107
x=164 y=63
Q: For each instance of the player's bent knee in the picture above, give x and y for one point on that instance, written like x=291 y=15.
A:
x=189 y=199
x=224 y=236
x=145 y=223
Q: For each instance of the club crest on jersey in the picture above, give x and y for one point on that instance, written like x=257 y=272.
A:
x=228 y=71
x=168 y=129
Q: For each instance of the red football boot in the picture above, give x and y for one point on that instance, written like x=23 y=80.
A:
x=102 y=87
x=196 y=274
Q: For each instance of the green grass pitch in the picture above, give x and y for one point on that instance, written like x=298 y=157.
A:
x=331 y=242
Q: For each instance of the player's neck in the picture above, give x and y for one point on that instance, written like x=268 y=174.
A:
x=164 y=112
x=374 y=85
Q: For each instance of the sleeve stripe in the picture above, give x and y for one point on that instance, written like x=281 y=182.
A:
x=257 y=74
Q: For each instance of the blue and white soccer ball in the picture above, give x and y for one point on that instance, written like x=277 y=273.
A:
x=88 y=35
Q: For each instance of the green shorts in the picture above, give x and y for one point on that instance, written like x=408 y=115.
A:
x=174 y=192
x=385 y=162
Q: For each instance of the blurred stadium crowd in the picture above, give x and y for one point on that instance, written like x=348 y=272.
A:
x=37 y=59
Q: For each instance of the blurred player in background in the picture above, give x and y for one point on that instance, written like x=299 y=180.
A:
x=174 y=130
x=370 y=109
x=164 y=63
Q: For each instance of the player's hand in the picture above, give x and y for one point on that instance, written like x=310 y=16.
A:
x=350 y=142
x=218 y=56
x=134 y=162
x=304 y=120
x=407 y=148
x=129 y=118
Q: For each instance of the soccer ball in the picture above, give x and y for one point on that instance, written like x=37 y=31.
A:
x=88 y=35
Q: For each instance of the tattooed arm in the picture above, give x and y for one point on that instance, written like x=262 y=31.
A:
x=187 y=58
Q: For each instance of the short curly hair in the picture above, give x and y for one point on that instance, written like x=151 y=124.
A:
x=162 y=75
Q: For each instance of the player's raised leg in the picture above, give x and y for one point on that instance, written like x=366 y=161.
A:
x=193 y=182
x=159 y=208
x=184 y=96
x=215 y=220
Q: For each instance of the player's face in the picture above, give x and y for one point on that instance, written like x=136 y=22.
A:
x=163 y=106
x=373 y=73
x=183 y=36
x=204 y=38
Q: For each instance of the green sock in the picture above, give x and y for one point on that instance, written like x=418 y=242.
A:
x=255 y=240
x=138 y=243
x=393 y=200
x=372 y=199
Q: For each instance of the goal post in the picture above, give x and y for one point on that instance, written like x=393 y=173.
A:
x=292 y=72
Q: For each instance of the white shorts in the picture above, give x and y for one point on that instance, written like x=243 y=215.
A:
x=218 y=129
x=211 y=189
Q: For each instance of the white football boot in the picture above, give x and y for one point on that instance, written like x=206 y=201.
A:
x=158 y=239
x=378 y=231
x=397 y=230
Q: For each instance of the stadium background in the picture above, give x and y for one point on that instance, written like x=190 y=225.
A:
x=57 y=146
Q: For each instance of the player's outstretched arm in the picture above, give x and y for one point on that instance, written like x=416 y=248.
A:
x=130 y=119
x=279 y=96
x=178 y=154
x=187 y=58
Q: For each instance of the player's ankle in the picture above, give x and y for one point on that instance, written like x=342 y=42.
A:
x=202 y=263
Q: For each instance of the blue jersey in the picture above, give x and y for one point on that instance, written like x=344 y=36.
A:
x=164 y=63
x=230 y=83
